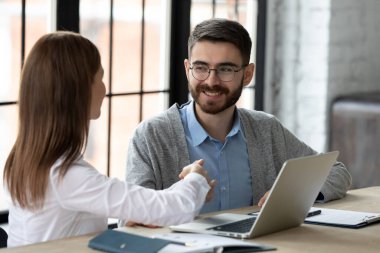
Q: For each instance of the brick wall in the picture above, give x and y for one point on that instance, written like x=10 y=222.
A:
x=297 y=69
x=316 y=51
x=354 y=59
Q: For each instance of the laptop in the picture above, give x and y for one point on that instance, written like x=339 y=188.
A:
x=292 y=195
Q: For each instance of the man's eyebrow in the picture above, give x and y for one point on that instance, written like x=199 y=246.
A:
x=228 y=64
x=220 y=64
x=199 y=63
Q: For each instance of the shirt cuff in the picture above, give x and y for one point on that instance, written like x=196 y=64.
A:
x=196 y=177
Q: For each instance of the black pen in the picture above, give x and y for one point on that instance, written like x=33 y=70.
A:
x=313 y=213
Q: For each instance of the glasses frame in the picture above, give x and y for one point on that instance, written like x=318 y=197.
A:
x=216 y=71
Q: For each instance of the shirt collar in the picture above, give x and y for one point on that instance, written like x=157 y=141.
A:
x=197 y=132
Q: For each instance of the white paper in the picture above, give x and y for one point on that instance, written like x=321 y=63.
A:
x=199 y=242
x=343 y=217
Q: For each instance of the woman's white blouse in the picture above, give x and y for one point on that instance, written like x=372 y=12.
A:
x=81 y=201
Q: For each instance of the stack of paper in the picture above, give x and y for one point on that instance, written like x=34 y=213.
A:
x=190 y=242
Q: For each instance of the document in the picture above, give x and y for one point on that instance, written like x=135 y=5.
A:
x=197 y=243
x=342 y=218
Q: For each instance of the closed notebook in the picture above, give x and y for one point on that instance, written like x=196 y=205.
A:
x=120 y=242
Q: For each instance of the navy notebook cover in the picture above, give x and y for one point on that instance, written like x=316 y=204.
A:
x=120 y=242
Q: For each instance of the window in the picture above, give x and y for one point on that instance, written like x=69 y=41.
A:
x=135 y=73
x=135 y=40
x=21 y=24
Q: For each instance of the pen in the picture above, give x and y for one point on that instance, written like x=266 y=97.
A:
x=178 y=243
x=313 y=213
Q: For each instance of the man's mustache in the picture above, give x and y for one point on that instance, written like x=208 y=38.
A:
x=216 y=88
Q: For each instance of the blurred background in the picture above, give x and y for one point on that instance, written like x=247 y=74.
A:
x=317 y=69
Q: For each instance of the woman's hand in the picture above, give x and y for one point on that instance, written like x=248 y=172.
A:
x=197 y=167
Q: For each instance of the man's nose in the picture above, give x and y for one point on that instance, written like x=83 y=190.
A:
x=213 y=77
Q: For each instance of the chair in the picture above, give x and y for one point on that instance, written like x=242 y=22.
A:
x=355 y=132
x=3 y=238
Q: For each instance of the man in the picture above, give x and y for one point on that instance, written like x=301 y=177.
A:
x=242 y=149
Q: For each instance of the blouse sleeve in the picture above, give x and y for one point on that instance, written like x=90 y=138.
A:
x=84 y=189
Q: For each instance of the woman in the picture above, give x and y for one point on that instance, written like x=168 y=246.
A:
x=54 y=192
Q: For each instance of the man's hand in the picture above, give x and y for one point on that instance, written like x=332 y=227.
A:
x=263 y=199
x=197 y=167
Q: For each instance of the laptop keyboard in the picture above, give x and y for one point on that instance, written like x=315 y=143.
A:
x=242 y=226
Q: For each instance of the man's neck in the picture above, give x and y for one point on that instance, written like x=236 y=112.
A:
x=216 y=125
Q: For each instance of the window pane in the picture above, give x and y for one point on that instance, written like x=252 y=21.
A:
x=96 y=152
x=125 y=117
x=37 y=16
x=155 y=47
x=200 y=10
x=154 y=103
x=127 y=46
x=247 y=98
x=94 y=25
x=8 y=133
x=10 y=36
x=37 y=21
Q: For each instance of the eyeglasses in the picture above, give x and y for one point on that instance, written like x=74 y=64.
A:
x=225 y=73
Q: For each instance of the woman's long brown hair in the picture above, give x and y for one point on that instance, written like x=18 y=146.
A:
x=54 y=114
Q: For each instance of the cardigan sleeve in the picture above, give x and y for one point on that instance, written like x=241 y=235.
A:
x=338 y=181
x=139 y=169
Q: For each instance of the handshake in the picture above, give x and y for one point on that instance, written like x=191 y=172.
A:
x=197 y=167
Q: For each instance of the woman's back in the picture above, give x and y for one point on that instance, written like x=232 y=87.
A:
x=58 y=218
x=80 y=202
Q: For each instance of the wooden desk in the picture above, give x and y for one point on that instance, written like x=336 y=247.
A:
x=306 y=238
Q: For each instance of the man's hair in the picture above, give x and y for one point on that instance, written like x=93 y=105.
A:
x=54 y=113
x=222 y=30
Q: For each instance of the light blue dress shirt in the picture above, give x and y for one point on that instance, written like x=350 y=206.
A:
x=226 y=162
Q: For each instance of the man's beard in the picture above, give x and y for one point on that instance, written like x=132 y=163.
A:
x=210 y=106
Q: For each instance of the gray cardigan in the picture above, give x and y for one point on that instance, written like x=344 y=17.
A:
x=158 y=152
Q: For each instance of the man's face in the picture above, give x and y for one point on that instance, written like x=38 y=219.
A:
x=214 y=95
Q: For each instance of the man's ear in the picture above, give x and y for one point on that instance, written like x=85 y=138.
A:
x=186 y=63
x=248 y=73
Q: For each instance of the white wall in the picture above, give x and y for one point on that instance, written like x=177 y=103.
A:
x=316 y=51
x=354 y=60
x=296 y=67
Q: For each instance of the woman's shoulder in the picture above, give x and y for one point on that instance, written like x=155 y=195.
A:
x=80 y=175
x=80 y=167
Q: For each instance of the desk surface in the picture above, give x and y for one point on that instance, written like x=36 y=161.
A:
x=306 y=238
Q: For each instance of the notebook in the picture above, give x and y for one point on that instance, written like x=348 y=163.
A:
x=343 y=218
x=121 y=242
x=292 y=195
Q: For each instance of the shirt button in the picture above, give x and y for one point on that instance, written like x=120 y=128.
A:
x=223 y=188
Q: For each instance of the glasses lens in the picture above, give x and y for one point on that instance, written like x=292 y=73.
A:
x=226 y=73
x=200 y=72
